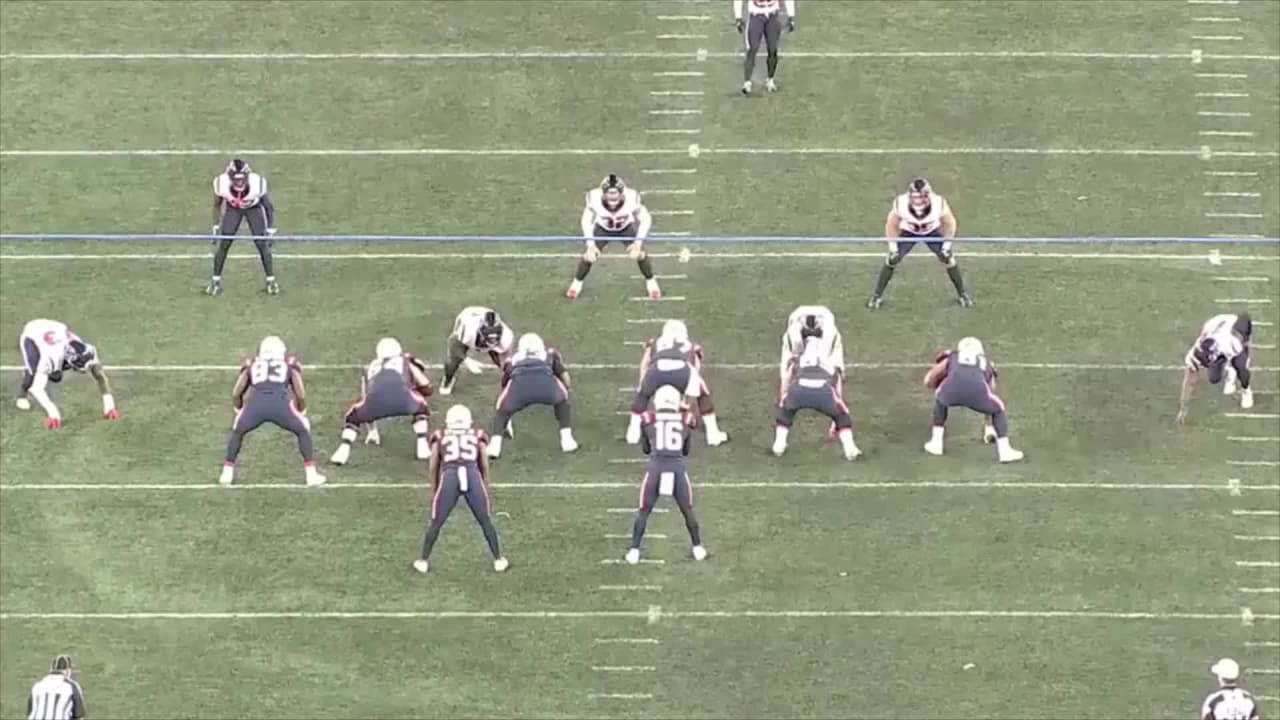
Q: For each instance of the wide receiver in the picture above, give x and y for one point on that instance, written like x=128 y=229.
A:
x=614 y=211
x=964 y=377
x=672 y=359
x=920 y=214
x=394 y=384
x=48 y=350
x=240 y=195
x=667 y=442
x=534 y=375
x=480 y=329
x=1221 y=349
x=269 y=390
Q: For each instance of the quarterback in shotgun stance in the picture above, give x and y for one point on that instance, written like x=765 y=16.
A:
x=614 y=212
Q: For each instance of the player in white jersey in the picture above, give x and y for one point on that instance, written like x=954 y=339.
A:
x=240 y=194
x=810 y=321
x=1229 y=701
x=49 y=349
x=920 y=214
x=614 y=210
x=763 y=22
x=1222 y=350
x=480 y=329
x=394 y=384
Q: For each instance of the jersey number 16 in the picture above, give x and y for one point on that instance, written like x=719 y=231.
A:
x=668 y=435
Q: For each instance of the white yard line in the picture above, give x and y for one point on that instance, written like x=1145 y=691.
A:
x=674 y=131
x=1185 y=55
x=1012 y=365
x=1244 y=301
x=1242 y=513
x=1243 y=278
x=623 y=668
x=1223 y=76
x=1233 y=194
x=1261 y=643
x=627 y=461
x=1253 y=416
x=621 y=696
x=1231 y=173
x=526 y=152
x=1214 y=113
x=626 y=641
x=1258 y=563
x=1258 y=538
x=728 y=485
x=630 y=588
x=1253 y=438
x=1213 y=2
x=677 y=93
x=1215 y=19
x=1260 y=590
x=682 y=111
x=1218 y=38
x=681 y=36
x=1254 y=463
x=1234 y=236
x=620 y=561
x=1222 y=94
x=1236 y=215
x=1226 y=133
x=642 y=614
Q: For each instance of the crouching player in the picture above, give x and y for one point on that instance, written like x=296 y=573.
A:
x=48 y=350
x=672 y=359
x=1221 y=349
x=666 y=440
x=262 y=395
x=395 y=384
x=814 y=384
x=965 y=378
x=479 y=329
x=810 y=322
x=534 y=375
x=458 y=469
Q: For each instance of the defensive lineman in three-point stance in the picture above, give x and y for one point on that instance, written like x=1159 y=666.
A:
x=964 y=377
x=240 y=194
x=534 y=375
x=666 y=440
x=1222 y=351
x=615 y=211
x=394 y=384
x=458 y=469
x=268 y=380
x=920 y=214
x=480 y=329
x=672 y=359
x=763 y=23
x=49 y=349
x=814 y=383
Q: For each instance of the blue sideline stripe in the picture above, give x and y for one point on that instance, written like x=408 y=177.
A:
x=128 y=237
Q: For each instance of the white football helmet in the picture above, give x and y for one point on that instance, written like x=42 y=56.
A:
x=531 y=344
x=388 y=347
x=458 y=418
x=667 y=398
x=675 y=332
x=272 y=348
x=970 y=348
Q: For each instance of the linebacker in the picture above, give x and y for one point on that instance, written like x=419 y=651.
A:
x=814 y=384
x=394 y=384
x=269 y=390
x=534 y=375
x=614 y=211
x=480 y=329
x=49 y=349
x=1222 y=350
x=672 y=359
x=964 y=377
x=458 y=469
x=666 y=440
x=920 y=214
x=763 y=23
x=240 y=195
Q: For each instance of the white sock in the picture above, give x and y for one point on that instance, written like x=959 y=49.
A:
x=780 y=437
x=713 y=427
x=420 y=427
x=349 y=435
x=1002 y=445
x=108 y=403
x=846 y=441
x=938 y=432
x=576 y=285
x=216 y=278
x=566 y=434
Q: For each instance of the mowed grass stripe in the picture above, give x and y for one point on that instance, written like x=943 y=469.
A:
x=637 y=614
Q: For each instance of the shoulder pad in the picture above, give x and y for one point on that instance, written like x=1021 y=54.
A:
x=942 y=355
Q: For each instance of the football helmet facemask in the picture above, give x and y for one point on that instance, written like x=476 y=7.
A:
x=238 y=171
x=919 y=191
x=612 y=188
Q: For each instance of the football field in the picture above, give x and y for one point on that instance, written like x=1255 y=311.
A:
x=1099 y=578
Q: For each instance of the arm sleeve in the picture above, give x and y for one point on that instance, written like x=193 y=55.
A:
x=588 y=222
x=646 y=222
x=557 y=365
x=37 y=391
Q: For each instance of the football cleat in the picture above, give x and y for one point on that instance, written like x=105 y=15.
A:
x=25 y=404
x=633 y=556
x=341 y=455
x=717 y=439
x=779 y=449
x=964 y=300
x=988 y=434
x=52 y=423
x=571 y=293
x=1005 y=452
x=567 y=443
x=446 y=389
x=228 y=475
x=111 y=414
x=874 y=302
x=314 y=478
x=1246 y=399
x=933 y=448
x=651 y=285
x=421 y=566
x=770 y=85
x=746 y=88
x=213 y=288
x=699 y=553
x=273 y=287
x=500 y=564
x=373 y=437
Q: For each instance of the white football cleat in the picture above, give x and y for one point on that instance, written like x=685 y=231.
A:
x=575 y=289
x=473 y=366
x=1246 y=399
x=746 y=88
x=501 y=565
x=568 y=444
x=495 y=447
x=421 y=566
x=228 y=476
x=314 y=479
x=341 y=455
x=853 y=454
x=933 y=448
x=423 y=449
x=1010 y=455
x=373 y=437
x=446 y=389
x=633 y=556
x=1229 y=386
x=651 y=285
x=770 y=85
x=717 y=439
x=23 y=404
x=988 y=434
x=699 y=552
x=779 y=449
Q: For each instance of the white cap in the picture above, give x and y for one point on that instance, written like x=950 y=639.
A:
x=675 y=331
x=1226 y=669
x=458 y=418
x=667 y=398
x=388 y=347
x=530 y=343
x=272 y=347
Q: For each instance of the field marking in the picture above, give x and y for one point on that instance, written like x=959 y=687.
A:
x=1260 y=590
x=1254 y=463
x=1228 y=38
x=1253 y=416
x=677 y=277
x=621 y=696
x=609 y=485
x=1244 y=301
x=1231 y=173
x=685 y=111
x=677 y=93
x=671 y=212
x=680 y=36
x=630 y=588
x=1225 y=76
x=1231 y=236
x=627 y=461
x=1213 y=113
x=1243 y=278
x=1263 y=671
x=1261 y=643
x=619 y=511
x=1258 y=538
x=623 y=668
x=1215 y=19
x=759 y=150
x=679 y=73
x=588 y=55
x=1265 y=513
x=644 y=614
x=1222 y=94
x=1258 y=563
x=627 y=536
x=1253 y=438
x=672 y=191
x=674 y=131
x=1264 y=346
x=627 y=641
x=643 y=561
x=1213 y=2
x=1233 y=194
x=1246 y=216
x=1226 y=133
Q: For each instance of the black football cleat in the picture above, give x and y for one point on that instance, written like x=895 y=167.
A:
x=213 y=288
x=964 y=300
x=874 y=302
x=273 y=287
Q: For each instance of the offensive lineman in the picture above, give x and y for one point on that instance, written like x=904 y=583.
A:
x=964 y=377
x=672 y=359
x=240 y=194
x=534 y=375
x=394 y=384
x=1222 y=349
x=458 y=469
x=763 y=22
x=480 y=329
x=814 y=384
x=920 y=214
x=268 y=380
x=666 y=440
x=615 y=211
x=49 y=349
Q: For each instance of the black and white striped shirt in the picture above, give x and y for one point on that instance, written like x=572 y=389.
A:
x=55 y=697
x=1229 y=703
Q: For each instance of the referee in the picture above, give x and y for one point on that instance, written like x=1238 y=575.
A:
x=763 y=22
x=56 y=696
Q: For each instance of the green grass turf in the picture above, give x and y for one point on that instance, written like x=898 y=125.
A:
x=846 y=545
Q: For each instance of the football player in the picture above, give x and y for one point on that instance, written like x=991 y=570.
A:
x=240 y=194
x=964 y=377
x=765 y=23
x=672 y=359
x=458 y=469
x=480 y=329
x=48 y=350
x=666 y=440
x=920 y=213
x=534 y=375
x=395 y=384
x=269 y=390
x=1222 y=349
x=814 y=384
x=810 y=322
x=614 y=211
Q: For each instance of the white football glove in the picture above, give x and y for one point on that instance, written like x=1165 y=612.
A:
x=592 y=252
x=271 y=231
x=636 y=249
x=217 y=230
x=373 y=437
